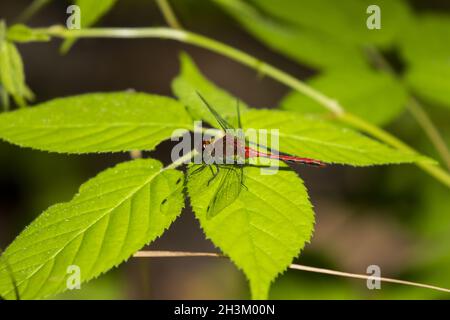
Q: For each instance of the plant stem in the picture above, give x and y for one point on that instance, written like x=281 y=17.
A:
x=414 y=107
x=430 y=129
x=433 y=170
x=32 y=9
x=177 y=254
x=204 y=42
x=262 y=67
x=182 y=160
x=168 y=14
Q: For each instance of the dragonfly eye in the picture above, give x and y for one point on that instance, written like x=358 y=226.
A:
x=205 y=144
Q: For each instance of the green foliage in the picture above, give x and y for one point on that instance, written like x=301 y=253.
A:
x=264 y=229
x=344 y=20
x=426 y=48
x=106 y=122
x=374 y=96
x=314 y=138
x=190 y=81
x=113 y=215
x=240 y=226
x=91 y=12
x=426 y=38
x=12 y=76
x=319 y=33
x=333 y=37
x=430 y=80
x=307 y=46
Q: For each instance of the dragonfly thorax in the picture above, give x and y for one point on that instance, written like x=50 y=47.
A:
x=226 y=147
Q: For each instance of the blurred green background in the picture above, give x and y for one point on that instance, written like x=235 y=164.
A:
x=395 y=216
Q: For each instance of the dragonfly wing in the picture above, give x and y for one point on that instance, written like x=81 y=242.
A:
x=228 y=191
x=222 y=122
x=238 y=110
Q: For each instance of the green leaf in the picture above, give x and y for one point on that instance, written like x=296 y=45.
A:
x=264 y=229
x=431 y=80
x=303 y=45
x=344 y=19
x=189 y=81
x=4 y=98
x=12 y=75
x=21 y=33
x=102 y=122
x=376 y=97
x=91 y=12
x=310 y=137
x=319 y=33
x=113 y=215
x=427 y=38
x=426 y=47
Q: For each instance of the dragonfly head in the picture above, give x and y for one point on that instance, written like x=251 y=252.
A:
x=206 y=143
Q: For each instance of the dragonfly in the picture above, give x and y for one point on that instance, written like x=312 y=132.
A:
x=226 y=155
x=229 y=154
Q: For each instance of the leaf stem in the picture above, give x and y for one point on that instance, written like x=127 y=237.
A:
x=195 y=39
x=168 y=14
x=177 y=254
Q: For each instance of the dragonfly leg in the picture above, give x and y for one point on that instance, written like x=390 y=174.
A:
x=213 y=173
x=198 y=170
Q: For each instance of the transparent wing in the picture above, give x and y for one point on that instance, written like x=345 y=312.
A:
x=230 y=185
x=223 y=123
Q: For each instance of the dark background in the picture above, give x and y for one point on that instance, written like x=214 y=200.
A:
x=364 y=216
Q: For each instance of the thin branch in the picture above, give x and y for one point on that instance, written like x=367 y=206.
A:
x=175 y=254
x=414 y=107
x=136 y=154
x=366 y=277
x=178 y=254
x=430 y=129
x=195 y=39
x=169 y=14
x=31 y=10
